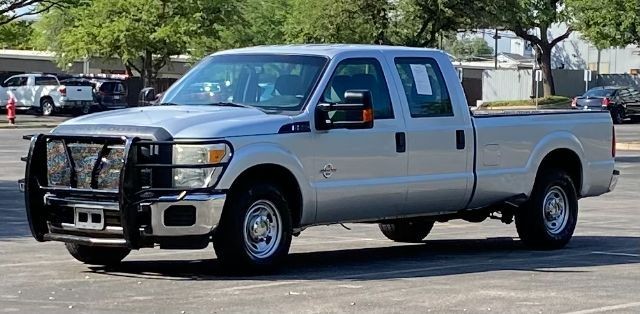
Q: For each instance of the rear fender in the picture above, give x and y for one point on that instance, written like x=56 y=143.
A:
x=549 y=143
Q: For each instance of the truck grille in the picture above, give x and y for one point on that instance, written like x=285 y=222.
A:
x=95 y=164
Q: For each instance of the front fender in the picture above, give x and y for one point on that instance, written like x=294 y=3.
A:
x=252 y=155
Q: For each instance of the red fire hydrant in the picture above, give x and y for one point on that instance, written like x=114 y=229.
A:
x=11 y=109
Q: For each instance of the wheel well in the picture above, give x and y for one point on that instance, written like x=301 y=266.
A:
x=43 y=98
x=567 y=160
x=282 y=177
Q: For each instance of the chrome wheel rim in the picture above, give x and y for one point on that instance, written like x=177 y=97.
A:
x=262 y=229
x=556 y=210
x=47 y=109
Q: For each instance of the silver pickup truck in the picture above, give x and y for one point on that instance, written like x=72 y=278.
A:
x=297 y=136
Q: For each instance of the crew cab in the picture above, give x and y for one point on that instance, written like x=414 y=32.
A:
x=306 y=135
x=44 y=93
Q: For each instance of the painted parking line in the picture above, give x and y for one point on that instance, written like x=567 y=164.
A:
x=607 y=308
x=616 y=254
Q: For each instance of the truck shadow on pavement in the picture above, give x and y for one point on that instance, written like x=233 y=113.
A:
x=433 y=258
x=13 y=219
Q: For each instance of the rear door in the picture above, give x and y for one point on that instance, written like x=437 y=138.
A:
x=439 y=136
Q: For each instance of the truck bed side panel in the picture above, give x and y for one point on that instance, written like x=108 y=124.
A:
x=511 y=147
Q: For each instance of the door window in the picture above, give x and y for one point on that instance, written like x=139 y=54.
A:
x=17 y=81
x=425 y=88
x=362 y=74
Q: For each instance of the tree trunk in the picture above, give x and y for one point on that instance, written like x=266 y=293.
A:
x=544 y=61
x=148 y=69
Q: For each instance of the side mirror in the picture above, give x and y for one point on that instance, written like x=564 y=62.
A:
x=146 y=96
x=355 y=113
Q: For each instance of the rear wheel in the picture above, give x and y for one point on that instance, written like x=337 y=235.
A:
x=255 y=230
x=548 y=219
x=407 y=230
x=95 y=255
x=617 y=115
x=47 y=108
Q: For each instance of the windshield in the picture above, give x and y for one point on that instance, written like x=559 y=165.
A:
x=269 y=82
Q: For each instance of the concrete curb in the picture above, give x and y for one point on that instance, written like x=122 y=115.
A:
x=27 y=126
x=628 y=146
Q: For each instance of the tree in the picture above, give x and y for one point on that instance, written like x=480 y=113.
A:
x=337 y=21
x=144 y=34
x=613 y=23
x=16 y=35
x=261 y=22
x=468 y=48
x=11 y=10
x=531 y=20
x=422 y=23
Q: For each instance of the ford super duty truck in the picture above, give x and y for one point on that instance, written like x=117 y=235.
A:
x=297 y=136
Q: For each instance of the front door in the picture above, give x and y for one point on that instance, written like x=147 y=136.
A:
x=359 y=173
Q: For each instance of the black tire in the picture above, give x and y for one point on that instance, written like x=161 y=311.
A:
x=617 y=115
x=95 y=255
x=233 y=238
x=409 y=230
x=534 y=220
x=47 y=108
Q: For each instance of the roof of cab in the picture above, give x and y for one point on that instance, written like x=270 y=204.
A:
x=327 y=50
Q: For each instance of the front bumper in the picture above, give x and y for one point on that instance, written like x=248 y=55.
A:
x=206 y=216
x=138 y=213
x=614 y=180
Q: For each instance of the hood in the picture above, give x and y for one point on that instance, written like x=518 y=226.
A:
x=179 y=121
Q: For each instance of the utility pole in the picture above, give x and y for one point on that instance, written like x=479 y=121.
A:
x=496 y=36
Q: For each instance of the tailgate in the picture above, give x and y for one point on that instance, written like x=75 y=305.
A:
x=80 y=93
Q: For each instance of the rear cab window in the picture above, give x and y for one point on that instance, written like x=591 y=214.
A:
x=45 y=80
x=425 y=87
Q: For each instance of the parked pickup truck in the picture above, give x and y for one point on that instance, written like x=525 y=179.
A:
x=44 y=93
x=367 y=134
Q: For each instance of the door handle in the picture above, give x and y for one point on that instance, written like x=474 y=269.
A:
x=401 y=142
x=460 y=140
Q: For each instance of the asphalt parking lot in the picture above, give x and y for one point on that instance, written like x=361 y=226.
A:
x=462 y=267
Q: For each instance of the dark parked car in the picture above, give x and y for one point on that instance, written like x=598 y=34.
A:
x=110 y=94
x=622 y=102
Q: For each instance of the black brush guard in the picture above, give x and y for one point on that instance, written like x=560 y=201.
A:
x=130 y=193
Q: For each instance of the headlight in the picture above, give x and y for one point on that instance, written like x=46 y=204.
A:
x=198 y=154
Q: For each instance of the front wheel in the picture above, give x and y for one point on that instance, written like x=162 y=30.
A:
x=548 y=219
x=95 y=255
x=255 y=229
x=409 y=230
x=617 y=115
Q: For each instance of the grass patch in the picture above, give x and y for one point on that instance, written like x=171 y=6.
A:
x=553 y=102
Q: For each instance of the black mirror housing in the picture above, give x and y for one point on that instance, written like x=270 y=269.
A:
x=356 y=101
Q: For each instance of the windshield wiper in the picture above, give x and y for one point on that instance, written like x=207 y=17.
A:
x=168 y=104
x=229 y=104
